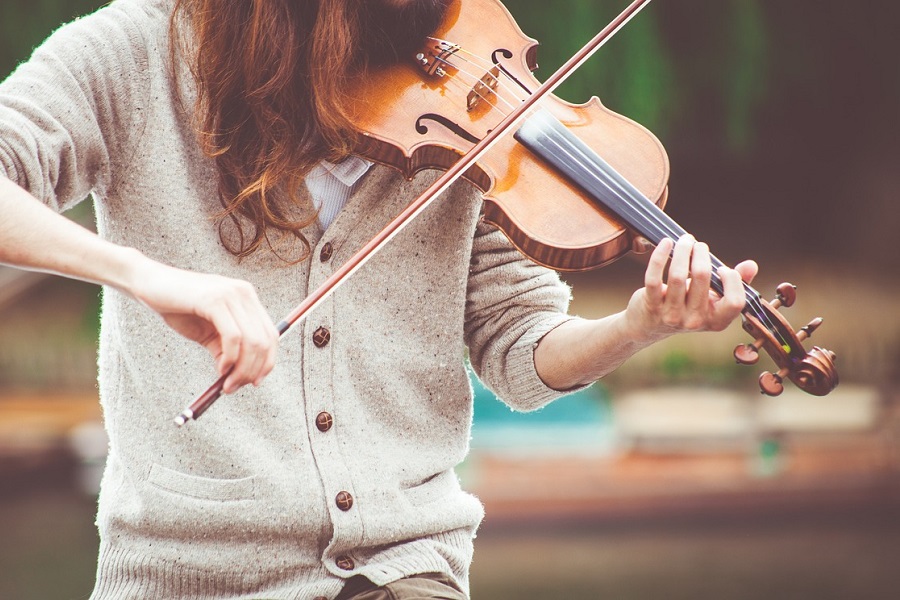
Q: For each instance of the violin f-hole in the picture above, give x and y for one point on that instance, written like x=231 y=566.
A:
x=507 y=55
x=422 y=128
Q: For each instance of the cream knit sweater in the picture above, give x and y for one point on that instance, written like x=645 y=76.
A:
x=244 y=503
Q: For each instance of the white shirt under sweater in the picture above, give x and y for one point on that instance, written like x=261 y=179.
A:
x=330 y=185
x=243 y=503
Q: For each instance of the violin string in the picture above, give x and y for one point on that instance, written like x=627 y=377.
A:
x=488 y=65
x=492 y=91
x=665 y=226
x=479 y=62
x=475 y=78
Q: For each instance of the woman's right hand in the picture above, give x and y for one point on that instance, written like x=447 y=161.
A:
x=223 y=315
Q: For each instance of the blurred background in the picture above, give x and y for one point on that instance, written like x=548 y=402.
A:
x=673 y=477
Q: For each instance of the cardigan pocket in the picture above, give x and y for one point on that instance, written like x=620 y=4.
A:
x=432 y=489
x=203 y=488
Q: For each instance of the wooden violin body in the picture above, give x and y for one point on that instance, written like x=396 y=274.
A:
x=575 y=188
x=423 y=115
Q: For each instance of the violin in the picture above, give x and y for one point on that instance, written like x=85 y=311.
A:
x=574 y=188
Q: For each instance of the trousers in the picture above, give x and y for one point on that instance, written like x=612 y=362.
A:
x=427 y=586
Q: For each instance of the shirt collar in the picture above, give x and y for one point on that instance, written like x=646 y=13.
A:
x=349 y=170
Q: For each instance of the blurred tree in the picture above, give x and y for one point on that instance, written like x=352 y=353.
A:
x=26 y=23
x=747 y=60
x=636 y=73
x=632 y=72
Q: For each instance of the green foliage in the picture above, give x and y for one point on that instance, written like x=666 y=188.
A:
x=636 y=73
x=746 y=86
x=630 y=74
x=678 y=364
x=24 y=24
x=683 y=366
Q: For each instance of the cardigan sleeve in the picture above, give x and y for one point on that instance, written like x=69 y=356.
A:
x=74 y=109
x=511 y=304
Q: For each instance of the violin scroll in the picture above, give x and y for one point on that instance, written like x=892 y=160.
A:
x=813 y=372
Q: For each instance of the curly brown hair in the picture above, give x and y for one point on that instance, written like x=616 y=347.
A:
x=272 y=78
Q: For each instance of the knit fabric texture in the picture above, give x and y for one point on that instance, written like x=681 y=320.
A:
x=243 y=503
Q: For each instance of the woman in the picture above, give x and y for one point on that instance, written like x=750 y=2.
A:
x=212 y=136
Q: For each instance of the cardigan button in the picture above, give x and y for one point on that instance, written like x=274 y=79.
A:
x=326 y=252
x=324 y=421
x=344 y=501
x=321 y=337
x=345 y=562
x=321 y=598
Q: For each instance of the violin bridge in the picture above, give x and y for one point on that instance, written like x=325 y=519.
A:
x=484 y=89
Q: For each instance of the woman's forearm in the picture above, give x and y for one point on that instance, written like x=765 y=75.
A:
x=34 y=237
x=581 y=351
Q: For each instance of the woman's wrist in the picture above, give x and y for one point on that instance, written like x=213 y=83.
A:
x=125 y=269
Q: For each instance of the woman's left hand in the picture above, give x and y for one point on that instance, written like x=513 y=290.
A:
x=682 y=301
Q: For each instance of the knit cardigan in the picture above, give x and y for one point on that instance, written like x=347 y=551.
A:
x=251 y=501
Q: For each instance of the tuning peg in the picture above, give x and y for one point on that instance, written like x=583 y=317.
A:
x=772 y=384
x=806 y=332
x=747 y=354
x=785 y=295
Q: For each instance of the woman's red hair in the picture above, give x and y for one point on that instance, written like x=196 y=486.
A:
x=267 y=113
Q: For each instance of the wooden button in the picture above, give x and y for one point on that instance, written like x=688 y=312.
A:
x=345 y=562
x=326 y=252
x=321 y=337
x=344 y=501
x=324 y=421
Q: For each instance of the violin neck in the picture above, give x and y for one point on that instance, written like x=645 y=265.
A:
x=559 y=148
